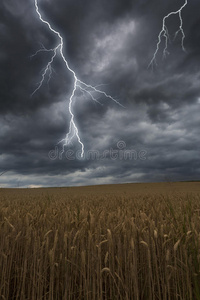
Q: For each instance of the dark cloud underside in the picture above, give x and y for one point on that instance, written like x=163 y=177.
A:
x=111 y=43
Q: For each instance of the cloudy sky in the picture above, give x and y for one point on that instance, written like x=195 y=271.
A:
x=152 y=136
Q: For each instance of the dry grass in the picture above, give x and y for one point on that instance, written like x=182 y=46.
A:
x=113 y=242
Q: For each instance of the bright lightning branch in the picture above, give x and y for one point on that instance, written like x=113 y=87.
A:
x=77 y=83
x=165 y=34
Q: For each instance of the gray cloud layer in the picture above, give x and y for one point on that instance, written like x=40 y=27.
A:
x=109 y=42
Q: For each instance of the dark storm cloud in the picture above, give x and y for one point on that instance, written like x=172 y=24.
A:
x=109 y=42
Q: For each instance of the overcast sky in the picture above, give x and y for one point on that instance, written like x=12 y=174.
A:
x=153 y=136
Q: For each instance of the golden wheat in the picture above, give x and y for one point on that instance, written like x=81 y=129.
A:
x=123 y=242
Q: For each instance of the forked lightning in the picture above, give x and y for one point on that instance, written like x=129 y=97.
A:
x=85 y=88
x=164 y=34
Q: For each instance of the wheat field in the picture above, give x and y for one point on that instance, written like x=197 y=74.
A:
x=131 y=241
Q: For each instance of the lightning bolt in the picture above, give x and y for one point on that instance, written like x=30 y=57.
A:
x=78 y=84
x=165 y=34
